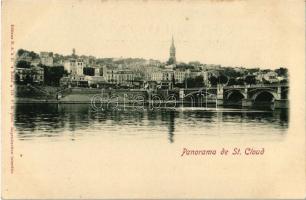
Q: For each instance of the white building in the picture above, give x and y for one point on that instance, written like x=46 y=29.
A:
x=157 y=76
x=271 y=77
x=168 y=75
x=46 y=58
x=116 y=76
x=95 y=80
x=74 y=66
x=36 y=74
x=179 y=76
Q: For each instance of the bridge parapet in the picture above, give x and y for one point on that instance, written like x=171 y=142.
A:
x=257 y=86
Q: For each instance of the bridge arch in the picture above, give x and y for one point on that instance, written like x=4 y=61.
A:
x=198 y=97
x=200 y=92
x=235 y=94
x=264 y=96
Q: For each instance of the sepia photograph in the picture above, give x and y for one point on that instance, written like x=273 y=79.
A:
x=57 y=93
x=153 y=99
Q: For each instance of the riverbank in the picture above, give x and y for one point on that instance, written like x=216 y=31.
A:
x=33 y=100
x=27 y=94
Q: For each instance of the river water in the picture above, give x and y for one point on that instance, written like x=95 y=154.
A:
x=52 y=122
x=80 y=152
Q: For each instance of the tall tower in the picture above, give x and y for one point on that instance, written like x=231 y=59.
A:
x=172 y=59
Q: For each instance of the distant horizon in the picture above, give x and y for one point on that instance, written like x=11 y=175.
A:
x=155 y=59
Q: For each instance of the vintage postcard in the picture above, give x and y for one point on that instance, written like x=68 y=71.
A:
x=107 y=99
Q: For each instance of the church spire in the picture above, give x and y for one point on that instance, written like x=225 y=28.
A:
x=172 y=59
x=172 y=41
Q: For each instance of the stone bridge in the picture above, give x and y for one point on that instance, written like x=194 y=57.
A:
x=246 y=95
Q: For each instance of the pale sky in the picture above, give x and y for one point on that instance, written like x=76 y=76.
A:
x=230 y=33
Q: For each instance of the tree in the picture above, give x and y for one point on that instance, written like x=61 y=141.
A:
x=170 y=61
x=250 y=79
x=253 y=70
x=222 y=79
x=284 y=81
x=198 y=81
x=230 y=72
x=20 y=52
x=240 y=81
x=17 y=78
x=182 y=66
x=213 y=80
x=52 y=75
x=282 y=72
x=23 y=64
x=32 y=54
x=232 y=81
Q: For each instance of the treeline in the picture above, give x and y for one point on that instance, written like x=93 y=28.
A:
x=222 y=79
x=52 y=75
x=31 y=54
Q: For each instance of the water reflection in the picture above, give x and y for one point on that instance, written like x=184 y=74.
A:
x=55 y=120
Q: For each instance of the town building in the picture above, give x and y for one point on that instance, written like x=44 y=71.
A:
x=35 y=62
x=180 y=76
x=24 y=57
x=33 y=75
x=149 y=71
x=168 y=75
x=78 y=81
x=46 y=58
x=205 y=75
x=157 y=76
x=211 y=67
x=192 y=73
x=74 y=66
x=271 y=77
x=122 y=77
x=95 y=81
